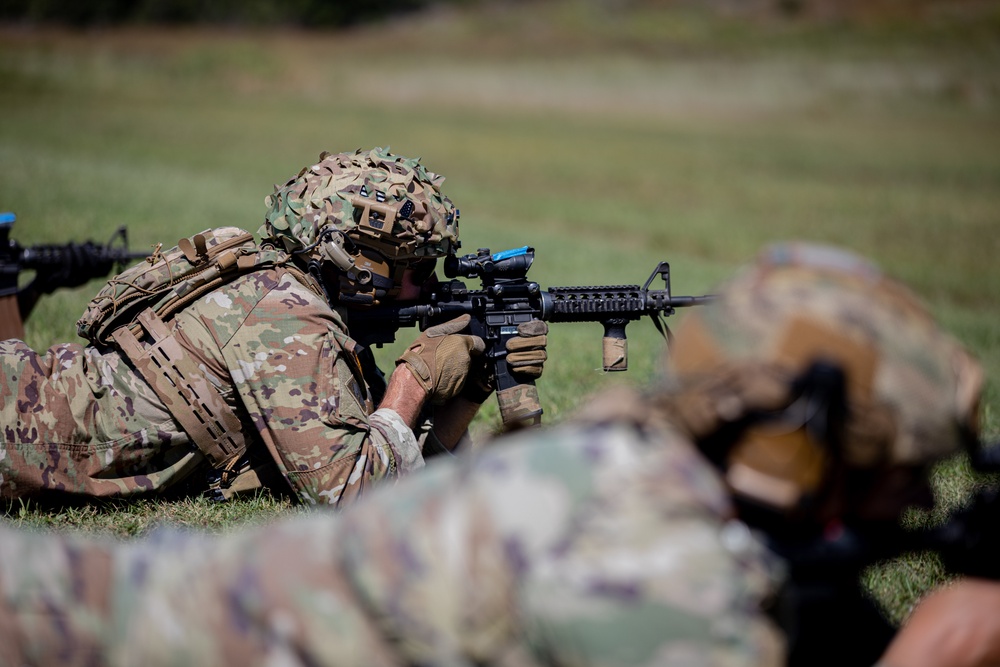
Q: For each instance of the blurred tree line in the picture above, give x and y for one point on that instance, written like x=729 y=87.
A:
x=341 y=13
x=304 y=13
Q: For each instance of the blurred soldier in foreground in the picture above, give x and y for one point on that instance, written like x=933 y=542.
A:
x=224 y=364
x=684 y=526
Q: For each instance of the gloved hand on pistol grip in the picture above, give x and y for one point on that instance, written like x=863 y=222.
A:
x=526 y=352
x=440 y=358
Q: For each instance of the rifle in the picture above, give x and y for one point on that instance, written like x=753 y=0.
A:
x=969 y=541
x=823 y=591
x=507 y=298
x=55 y=266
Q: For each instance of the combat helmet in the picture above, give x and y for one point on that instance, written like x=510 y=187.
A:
x=370 y=214
x=812 y=359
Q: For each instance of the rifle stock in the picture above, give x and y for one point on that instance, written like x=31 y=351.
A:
x=506 y=299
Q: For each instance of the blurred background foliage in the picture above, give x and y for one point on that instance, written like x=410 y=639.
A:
x=326 y=14
x=302 y=13
x=609 y=134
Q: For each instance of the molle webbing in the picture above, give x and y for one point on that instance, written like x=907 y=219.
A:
x=132 y=311
x=189 y=396
x=169 y=280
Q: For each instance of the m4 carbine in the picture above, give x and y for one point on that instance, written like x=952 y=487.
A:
x=823 y=587
x=55 y=266
x=506 y=299
x=969 y=541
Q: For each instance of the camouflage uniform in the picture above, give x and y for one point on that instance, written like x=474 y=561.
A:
x=81 y=420
x=610 y=540
x=603 y=544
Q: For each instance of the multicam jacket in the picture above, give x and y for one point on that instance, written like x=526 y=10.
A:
x=601 y=544
x=81 y=420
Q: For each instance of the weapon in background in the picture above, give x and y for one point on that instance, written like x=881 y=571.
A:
x=55 y=266
x=507 y=299
x=969 y=541
x=823 y=590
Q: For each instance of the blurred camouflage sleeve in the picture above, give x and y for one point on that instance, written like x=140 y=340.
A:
x=588 y=546
x=269 y=596
x=56 y=600
x=594 y=546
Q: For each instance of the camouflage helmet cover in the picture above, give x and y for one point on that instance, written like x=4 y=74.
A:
x=912 y=390
x=391 y=203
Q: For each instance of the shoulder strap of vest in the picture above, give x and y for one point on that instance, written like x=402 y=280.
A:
x=189 y=396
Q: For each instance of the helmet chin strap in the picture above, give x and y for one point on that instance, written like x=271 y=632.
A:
x=315 y=268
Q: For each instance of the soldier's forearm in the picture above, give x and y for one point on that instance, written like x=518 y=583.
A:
x=404 y=395
x=451 y=420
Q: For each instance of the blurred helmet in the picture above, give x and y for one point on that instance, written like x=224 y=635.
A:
x=371 y=214
x=787 y=336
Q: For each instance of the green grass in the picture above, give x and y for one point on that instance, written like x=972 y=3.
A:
x=607 y=140
x=130 y=518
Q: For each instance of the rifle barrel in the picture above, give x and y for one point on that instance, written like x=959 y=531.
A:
x=687 y=301
x=43 y=256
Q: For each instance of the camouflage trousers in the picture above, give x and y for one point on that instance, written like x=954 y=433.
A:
x=78 y=421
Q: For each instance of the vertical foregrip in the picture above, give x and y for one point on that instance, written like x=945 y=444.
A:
x=615 y=345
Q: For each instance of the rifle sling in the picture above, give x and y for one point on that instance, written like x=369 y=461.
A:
x=189 y=396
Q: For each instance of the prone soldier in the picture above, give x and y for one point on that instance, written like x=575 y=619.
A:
x=700 y=522
x=224 y=364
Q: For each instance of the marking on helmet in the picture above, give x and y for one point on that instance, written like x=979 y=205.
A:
x=407 y=210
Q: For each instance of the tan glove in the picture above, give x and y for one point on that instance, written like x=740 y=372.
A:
x=526 y=353
x=439 y=359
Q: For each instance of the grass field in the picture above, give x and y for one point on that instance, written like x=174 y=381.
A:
x=608 y=140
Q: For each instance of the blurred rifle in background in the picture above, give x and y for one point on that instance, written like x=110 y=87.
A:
x=55 y=266
x=969 y=541
x=823 y=587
